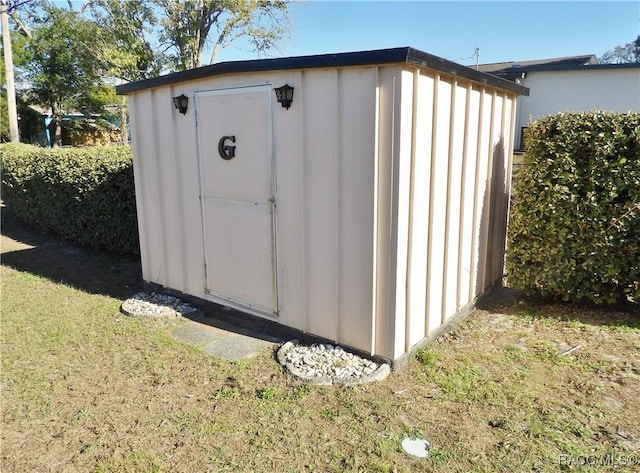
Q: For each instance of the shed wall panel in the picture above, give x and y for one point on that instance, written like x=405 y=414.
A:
x=187 y=197
x=291 y=217
x=480 y=217
x=385 y=207
x=167 y=194
x=320 y=197
x=403 y=145
x=325 y=203
x=438 y=202
x=417 y=279
x=468 y=210
x=457 y=141
x=148 y=192
x=170 y=238
x=499 y=192
x=457 y=131
x=488 y=200
x=357 y=101
x=138 y=134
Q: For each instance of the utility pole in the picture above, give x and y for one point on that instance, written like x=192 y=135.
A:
x=8 y=67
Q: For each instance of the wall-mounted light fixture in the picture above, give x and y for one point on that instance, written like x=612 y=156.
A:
x=284 y=95
x=181 y=102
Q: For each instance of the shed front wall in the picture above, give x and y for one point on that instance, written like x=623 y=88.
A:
x=450 y=160
x=325 y=153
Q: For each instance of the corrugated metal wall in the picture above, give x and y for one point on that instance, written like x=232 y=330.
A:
x=325 y=159
x=325 y=155
x=452 y=147
x=391 y=198
x=167 y=191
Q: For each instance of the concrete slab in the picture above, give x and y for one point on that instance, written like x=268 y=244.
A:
x=196 y=333
x=218 y=342
x=236 y=347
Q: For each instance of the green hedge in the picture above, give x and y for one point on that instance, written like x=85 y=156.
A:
x=574 y=231
x=83 y=194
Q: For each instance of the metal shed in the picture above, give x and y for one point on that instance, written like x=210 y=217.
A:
x=370 y=211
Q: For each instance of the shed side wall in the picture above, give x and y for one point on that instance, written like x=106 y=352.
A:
x=458 y=161
x=419 y=221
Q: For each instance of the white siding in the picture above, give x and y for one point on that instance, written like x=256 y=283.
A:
x=615 y=90
x=386 y=212
x=438 y=202
x=337 y=146
x=167 y=190
x=421 y=185
x=457 y=199
x=467 y=271
x=403 y=144
x=325 y=184
x=454 y=201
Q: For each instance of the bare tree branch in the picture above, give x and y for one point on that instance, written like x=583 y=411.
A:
x=21 y=26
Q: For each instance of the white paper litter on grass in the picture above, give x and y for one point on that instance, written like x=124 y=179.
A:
x=416 y=447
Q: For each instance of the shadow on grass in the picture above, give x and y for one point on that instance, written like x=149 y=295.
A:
x=530 y=305
x=60 y=261
x=99 y=272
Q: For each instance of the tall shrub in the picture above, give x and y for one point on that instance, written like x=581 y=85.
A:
x=83 y=194
x=574 y=231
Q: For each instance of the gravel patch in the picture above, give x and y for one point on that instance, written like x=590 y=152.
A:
x=328 y=364
x=156 y=305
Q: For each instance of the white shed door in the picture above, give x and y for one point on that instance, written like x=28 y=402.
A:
x=234 y=129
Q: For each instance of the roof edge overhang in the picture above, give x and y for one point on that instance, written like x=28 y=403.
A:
x=404 y=55
x=586 y=67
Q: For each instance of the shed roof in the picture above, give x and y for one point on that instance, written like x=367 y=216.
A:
x=361 y=58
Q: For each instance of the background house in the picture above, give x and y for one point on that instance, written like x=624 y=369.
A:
x=77 y=129
x=576 y=83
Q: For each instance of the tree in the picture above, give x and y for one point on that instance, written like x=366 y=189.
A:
x=5 y=132
x=9 y=96
x=126 y=46
x=17 y=45
x=187 y=27
x=629 y=53
x=63 y=71
x=78 y=52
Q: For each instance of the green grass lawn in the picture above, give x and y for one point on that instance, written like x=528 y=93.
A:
x=85 y=388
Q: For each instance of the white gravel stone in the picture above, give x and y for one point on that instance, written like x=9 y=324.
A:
x=156 y=305
x=327 y=364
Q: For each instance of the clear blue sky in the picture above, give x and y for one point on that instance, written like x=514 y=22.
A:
x=513 y=30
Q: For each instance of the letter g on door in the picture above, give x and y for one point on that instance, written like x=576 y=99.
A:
x=227 y=151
